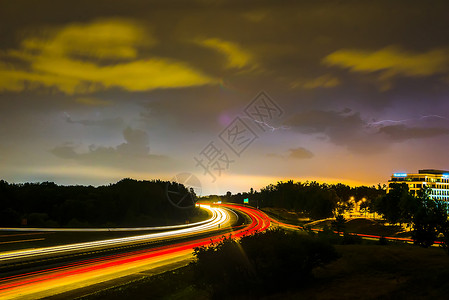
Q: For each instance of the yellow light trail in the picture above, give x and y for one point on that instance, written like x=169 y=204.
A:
x=219 y=217
x=79 y=274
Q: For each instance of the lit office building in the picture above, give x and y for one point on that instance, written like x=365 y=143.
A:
x=436 y=180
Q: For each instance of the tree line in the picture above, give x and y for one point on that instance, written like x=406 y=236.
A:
x=427 y=218
x=315 y=200
x=126 y=203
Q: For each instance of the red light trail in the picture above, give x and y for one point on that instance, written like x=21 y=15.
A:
x=90 y=271
x=80 y=274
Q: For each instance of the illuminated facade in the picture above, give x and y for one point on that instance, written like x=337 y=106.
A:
x=436 y=180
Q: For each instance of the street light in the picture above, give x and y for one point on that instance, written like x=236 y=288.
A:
x=363 y=201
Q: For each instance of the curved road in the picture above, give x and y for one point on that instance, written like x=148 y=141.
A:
x=71 y=276
x=219 y=216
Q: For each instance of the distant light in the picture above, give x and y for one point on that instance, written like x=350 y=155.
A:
x=246 y=201
x=400 y=174
x=218 y=202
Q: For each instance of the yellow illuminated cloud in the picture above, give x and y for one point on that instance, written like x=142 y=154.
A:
x=255 y=16
x=236 y=56
x=91 y=101
x=324 y=81
x=114 y=38
x=137 y=75
x=85 y=58
x=391 y=60
x=18 y=80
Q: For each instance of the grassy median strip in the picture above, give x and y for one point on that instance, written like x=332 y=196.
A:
x=368 y=271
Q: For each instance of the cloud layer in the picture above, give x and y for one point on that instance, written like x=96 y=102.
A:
x=348 y=129
x=361 y=83
x=135 y=149
x=86 y=58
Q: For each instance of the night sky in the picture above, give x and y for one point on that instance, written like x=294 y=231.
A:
x=239 y=93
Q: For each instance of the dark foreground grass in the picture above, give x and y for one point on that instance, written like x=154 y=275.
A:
x=375 y=227
x=362 y=272
x=284 y=215
x=380 y=272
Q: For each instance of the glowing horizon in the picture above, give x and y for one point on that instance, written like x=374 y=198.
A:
x=127 y=92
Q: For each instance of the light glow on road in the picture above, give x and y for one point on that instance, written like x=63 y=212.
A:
x=57 y=280
x=219 y=217
x=87 y=272
x=154 y=228
x=90 y=271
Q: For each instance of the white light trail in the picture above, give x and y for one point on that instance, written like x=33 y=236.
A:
x=156 y=228
x=220 y=216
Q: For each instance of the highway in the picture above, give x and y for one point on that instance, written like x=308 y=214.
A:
x=85 y=272
x=137 y=254
x=155 y=228
x=219 y=216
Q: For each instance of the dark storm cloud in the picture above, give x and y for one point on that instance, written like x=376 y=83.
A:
x=135 y=148
x=335 y=123
x=181 y=70
x=190 y=109
x=137 y=142
x=300 y=153
x=344 y=128
x=347 y=128
x=402 y=132
x=287 y=40
x=109 y=122
x=294 y=153
x=66 y=151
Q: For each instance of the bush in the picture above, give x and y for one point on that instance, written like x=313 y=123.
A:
x=350 y=239
x=260 y=264
x=339 y=224
x=9 y=218
x=382 y=241
x=37 y=219
x=329 y=236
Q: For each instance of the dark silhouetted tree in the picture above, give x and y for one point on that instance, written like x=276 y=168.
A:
x=339 y=224
x=429 y=219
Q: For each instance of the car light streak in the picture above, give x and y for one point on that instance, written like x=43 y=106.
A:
x=57 y=280
x=154 y=228
x=22 y=241
x=219 y=216
x=22 y=234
